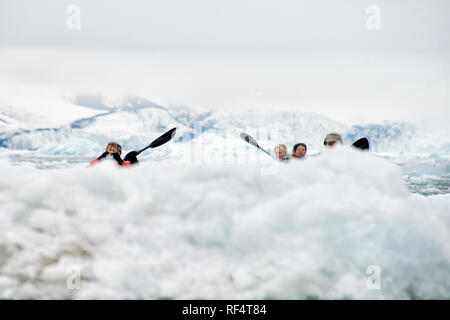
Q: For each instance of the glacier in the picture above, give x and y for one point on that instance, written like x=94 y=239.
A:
x=137 y=120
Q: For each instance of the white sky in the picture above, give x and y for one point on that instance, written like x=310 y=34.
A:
x=311 y=56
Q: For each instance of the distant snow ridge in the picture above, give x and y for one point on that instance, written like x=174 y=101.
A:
x=132 y=125
x=137 y=121
x=159 y=231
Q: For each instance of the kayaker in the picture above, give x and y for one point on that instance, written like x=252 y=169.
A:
x=331 y=139
x=299 y=150
x=280 y=152
x=114 y=150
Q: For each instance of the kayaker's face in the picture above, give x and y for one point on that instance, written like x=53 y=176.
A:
x=112 y=149
x=330 y=144
x=281 y=153
x=300 y=152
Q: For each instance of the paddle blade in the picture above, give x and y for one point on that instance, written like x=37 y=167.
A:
x=161 y=140
x=362 y=144
x=166 y=137
x=247 y=138
x=131 y=157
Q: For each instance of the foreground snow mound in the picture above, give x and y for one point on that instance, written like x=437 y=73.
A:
x=310 y=230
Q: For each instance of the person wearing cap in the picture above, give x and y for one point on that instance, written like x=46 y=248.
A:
x=280 y=152
x=331 y=139
x=114 y=150
x=299 y=150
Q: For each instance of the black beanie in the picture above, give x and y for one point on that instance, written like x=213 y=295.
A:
x=299 y=144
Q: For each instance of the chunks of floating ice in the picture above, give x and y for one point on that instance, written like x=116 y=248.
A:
x=311 y=230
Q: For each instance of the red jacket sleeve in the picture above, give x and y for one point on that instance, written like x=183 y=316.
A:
x=93 y=162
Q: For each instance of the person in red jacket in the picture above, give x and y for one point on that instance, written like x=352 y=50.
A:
x=114 y=150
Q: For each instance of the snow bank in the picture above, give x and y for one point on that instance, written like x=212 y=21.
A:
x=311 y=230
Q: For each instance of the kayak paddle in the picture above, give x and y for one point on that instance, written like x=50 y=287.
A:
x=166 y=137
x=362 y=144
x=249 y=139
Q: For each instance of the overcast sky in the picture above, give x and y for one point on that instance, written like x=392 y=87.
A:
x=324 y=46
x=320 y=25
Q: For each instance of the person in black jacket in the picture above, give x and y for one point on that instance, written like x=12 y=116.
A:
x=114 y=150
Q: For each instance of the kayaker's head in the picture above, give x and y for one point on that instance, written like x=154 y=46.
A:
x=299 y=150
x=114 y=147
x=331 y=139
x=281 y=151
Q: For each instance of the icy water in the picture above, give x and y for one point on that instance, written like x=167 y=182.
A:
x=426 y=175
